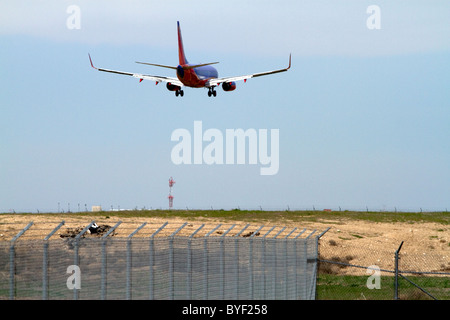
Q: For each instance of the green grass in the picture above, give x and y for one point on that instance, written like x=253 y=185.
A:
x=344 y=287
x=273 y=216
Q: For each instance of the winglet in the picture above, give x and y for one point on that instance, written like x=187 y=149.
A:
x=289 y=62
x=92 y=65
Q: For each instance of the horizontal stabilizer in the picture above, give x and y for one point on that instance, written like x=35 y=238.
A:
x=198 y=65
x=185 y=67
x=157 y=65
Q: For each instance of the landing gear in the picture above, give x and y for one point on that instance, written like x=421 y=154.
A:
x=179 y=93
x=212 y=92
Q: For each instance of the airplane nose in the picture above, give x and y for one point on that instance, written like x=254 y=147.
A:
x=180 y=71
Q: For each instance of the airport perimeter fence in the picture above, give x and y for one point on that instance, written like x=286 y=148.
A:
x=152 y=261
x=348 y=271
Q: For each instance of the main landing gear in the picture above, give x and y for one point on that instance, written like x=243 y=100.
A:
x=179 y=93
x=212 y=92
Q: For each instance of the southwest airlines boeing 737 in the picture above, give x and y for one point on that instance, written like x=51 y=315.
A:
x=192 y=75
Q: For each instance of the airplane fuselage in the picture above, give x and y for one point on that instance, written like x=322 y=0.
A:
x=196 y=77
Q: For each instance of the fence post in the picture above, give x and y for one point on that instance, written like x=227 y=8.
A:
x=312 y=283
x=286 y=278
x=12 y=266
x=45 y=263
x=129 y=260
x=76 y=256
x=264 y=261
x=316 y=273
x=171 y=291
x=295 y=262
x=104 y=262
x=205 y=263
x=396 y=272
x=189 y=265
x=222 y=261
x=151 y=261
x=274 y=274
x=236 y=260
x=250 y=266
x=304 y=264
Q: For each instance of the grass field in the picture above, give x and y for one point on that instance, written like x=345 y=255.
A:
x=257 y=216
x=343 y=287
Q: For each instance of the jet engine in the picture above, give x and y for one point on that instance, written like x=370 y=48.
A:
x=229 y=86
x=172 y=87
x=180 y=71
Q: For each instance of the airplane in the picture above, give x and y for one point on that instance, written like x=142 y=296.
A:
x=202 y=75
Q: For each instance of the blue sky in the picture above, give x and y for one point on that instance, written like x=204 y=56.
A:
x=363 y=115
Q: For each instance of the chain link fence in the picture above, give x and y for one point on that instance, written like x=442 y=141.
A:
x=152 y=261
x=351 y=272
x=197 y=261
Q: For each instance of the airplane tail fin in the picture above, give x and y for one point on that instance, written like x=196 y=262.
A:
x=181 y=55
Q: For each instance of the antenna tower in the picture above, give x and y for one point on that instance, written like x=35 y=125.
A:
x=171 y=183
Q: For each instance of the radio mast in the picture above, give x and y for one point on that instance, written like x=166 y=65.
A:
x=171 y=183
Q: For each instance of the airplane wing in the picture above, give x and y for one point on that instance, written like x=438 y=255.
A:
x=217 y=81
x=141 y=77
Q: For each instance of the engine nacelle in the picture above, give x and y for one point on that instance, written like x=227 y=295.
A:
x=172 y=87
x=229 y=86
x=180 y=71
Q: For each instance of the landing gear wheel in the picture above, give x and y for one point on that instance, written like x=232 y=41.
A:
x=181 y=93
x=212 y=92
